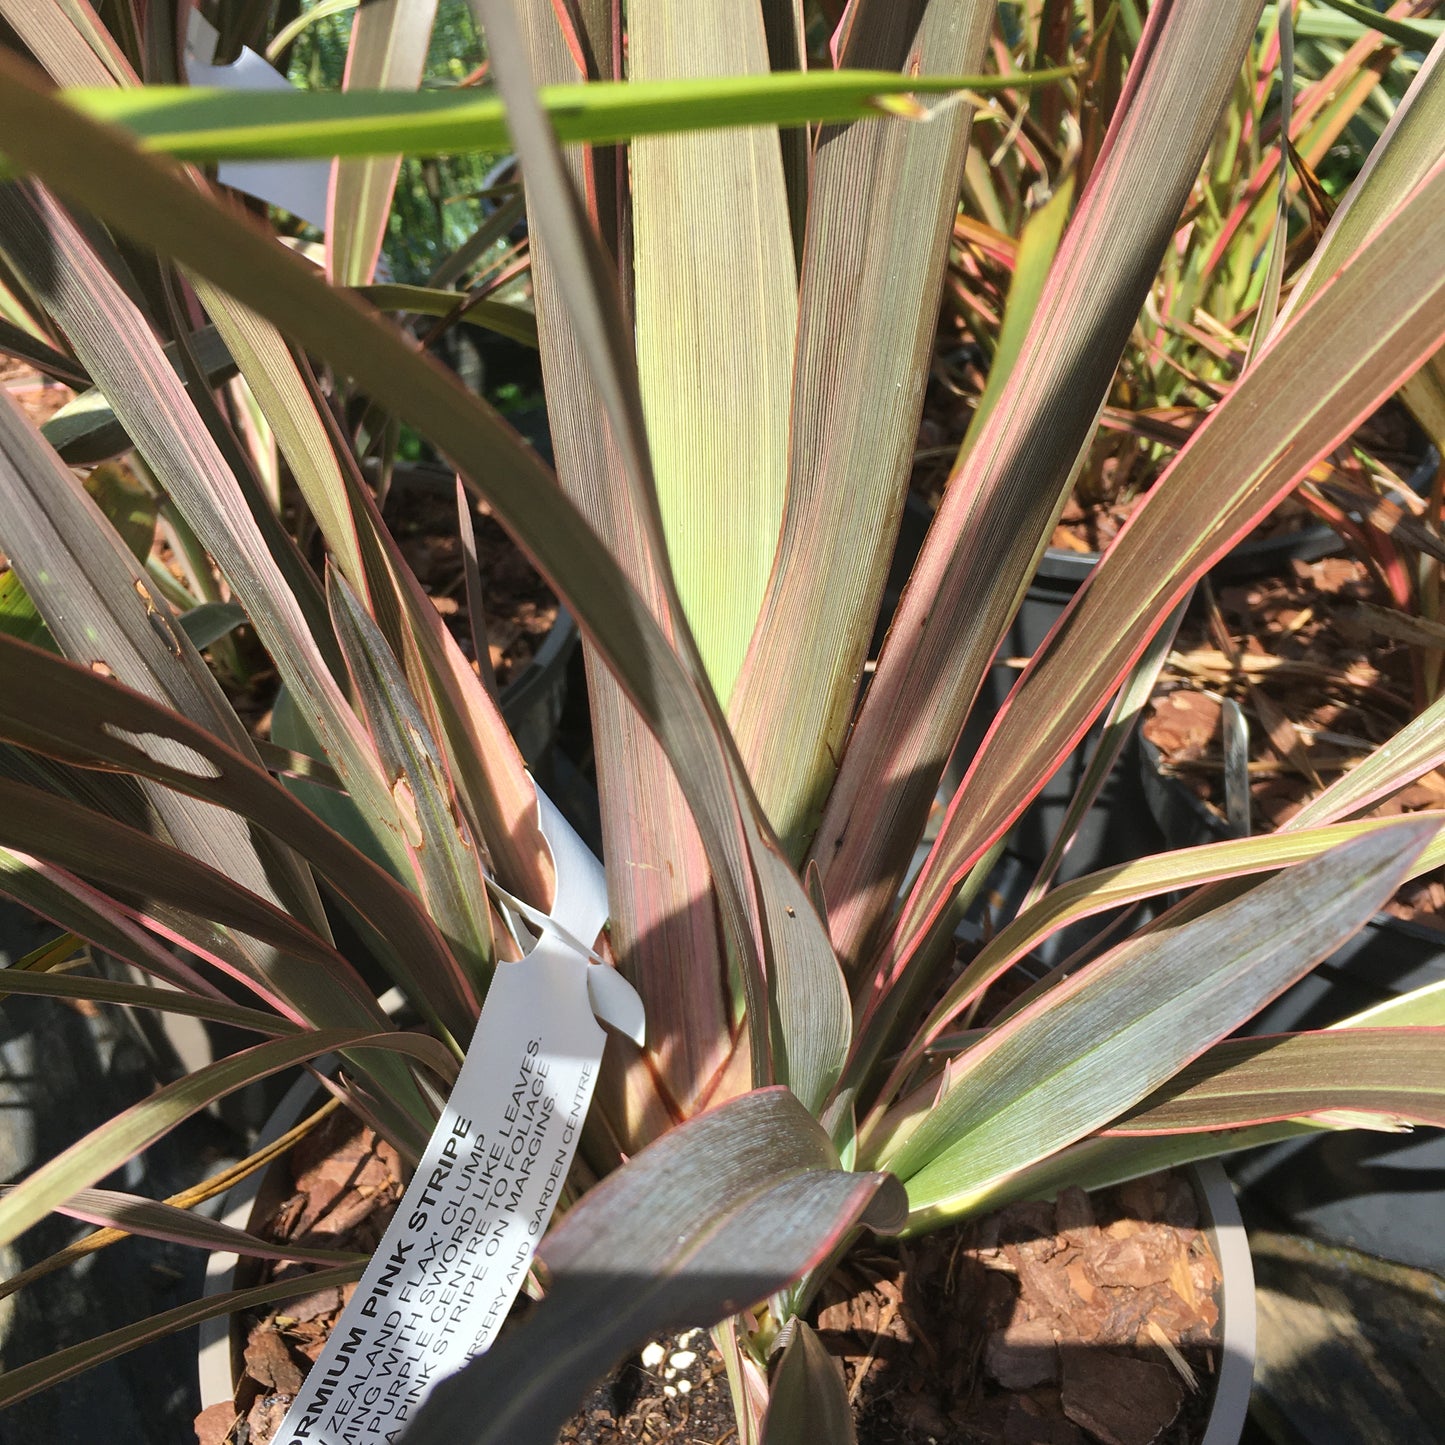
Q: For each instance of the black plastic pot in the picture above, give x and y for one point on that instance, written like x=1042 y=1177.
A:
x=63 y=1073
x=1380 y=1193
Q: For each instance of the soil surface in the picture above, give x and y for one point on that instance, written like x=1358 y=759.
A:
x=1092 y=1321
x=520 y=608
x=38 y=396
x=1318 y=662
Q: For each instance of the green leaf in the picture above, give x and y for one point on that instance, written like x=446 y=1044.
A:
x=18 y=617
x=108 y=1147
x=446 y=857
x=86 y=429
x=1395 y=1076
x=884 y=195
x=514 y=322
x=715 y=304
x=387 y=52
x=719 y=1213
x=798 y=1027
x=195 y=123
x=1104 y=1038
x=210 y=622
x=1403 y=32
x=808 y=1399
x=1101 y=1161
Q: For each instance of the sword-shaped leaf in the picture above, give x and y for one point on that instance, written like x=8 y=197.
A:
x=658 y=880
x=26 y=1380
x=1127 y=883
x=807 y=1397
x=1394 y=1076
x=718 y=1214
x=715 y=300
x=194 y=123
x=163 y=1000
x=1104 y=1038
x=444 y=854
x=884 y=195
x=799 y=1019
x=108 y=1147
x=388 y=50
x=151 y=1219
x=999 y=507
x=126 y=360
x=67 y=712
x=1303 y=395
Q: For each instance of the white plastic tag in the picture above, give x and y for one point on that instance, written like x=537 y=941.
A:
x=296 y=186
x=454 y=1257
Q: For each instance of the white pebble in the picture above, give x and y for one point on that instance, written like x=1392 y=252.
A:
x=652 y=1356
x=687 y=1337
x=683 y=1386
x=670 y=1391
x=682 y=1359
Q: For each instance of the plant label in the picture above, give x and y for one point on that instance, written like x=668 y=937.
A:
x=457 y=1252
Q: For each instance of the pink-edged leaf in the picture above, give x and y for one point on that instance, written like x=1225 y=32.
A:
x=66 y=900
x=763 y=904
x=1127 y=883
x=71 y=41
x=809 y=1397
x=67 y=712
x=389 y=40
x=25 y=1380
x=1104 y=1038
x=151 y=1219
x=1394 y=1075
x=658 y=881
x=884 y=195
x=134 y=995
x=999 y=506
x=123 y=354
x=306 y=970
x=178 y=896
x=721 y=1212
x=97 y=602
x=488 y=771
x=1397 y=163
x=108 y=1147
x=1303 y=395
x=445 y=856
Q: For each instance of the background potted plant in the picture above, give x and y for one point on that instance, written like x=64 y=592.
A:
x=732 y=448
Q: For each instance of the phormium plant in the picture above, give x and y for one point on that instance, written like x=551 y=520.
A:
x=737 y=261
